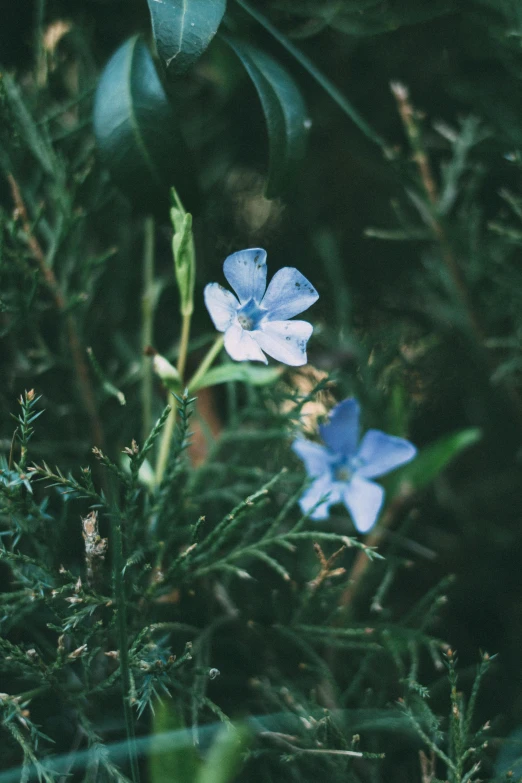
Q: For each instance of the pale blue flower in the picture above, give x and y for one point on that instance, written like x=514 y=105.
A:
x=257 y=320
x=342 y=468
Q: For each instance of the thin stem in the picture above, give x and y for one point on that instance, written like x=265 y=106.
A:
x=40 y=55
x=287 y=741
x=183 y=345
x=213 y=352
x=316 y=74
x=147 y=323
x=168 y=432
x=123 y=644
x=166 y=440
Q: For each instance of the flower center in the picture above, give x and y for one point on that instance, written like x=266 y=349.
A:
x=245 y=322
x=345 y=470
x=250 y=315
x=343 y=473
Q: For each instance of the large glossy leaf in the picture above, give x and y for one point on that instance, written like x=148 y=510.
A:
x=183 y=29
x=432 y=460
x=308 y=64
x=136 y=128
x=285 y=112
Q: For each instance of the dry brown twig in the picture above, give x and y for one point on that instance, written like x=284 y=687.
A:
x=409 y=116
x=427 y=765
x=49 y=278
x=326 y=567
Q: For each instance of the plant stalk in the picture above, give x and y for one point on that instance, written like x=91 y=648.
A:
x=168 y=432
x=476 y=329
x=147 y=324
x=75 y=345
x=123 y=643
x=183 y=345
x=40 y=54
x=206 y=363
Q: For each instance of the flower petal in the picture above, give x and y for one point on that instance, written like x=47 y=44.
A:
x=246 y=273
x=241 y=347
x=313 y=495
x=363 y=499
x=341 y=434
x=285 y=341
x=221 y=305
x=315 y=457
x=381 y=453
x=288 y=293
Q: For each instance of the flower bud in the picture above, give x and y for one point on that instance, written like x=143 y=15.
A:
x=184 y=254
x=166 y=371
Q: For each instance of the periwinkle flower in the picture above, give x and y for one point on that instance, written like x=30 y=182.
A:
x=256 y=320
x=343 y=467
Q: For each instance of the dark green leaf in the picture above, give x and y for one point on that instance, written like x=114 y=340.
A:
x=284 y=109
x=136 y=128
x=183 y=29
x=315 y=73
x=366 y=17
x=352 y=22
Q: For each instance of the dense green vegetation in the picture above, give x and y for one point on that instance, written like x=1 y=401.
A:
x=168 y=612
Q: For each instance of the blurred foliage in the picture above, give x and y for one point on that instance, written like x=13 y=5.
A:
x=400 y=197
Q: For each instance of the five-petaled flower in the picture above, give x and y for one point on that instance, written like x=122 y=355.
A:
x=258 y=321
x=342 y=468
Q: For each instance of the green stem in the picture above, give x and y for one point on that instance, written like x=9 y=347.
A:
x=40 y=55
x=123 y=644
x=168 y=432
x=316 y=74
x=213 y=352
x=166 y=440
x=147 y=323
x=34 y=693
x=183 y=345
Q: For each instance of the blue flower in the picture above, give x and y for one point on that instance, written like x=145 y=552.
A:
x=342 y=468
x=258 y=321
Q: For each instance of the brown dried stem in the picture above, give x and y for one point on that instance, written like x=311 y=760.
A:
x=407 y=114
x=395 y=510
x=428 y=766
x=408 y=117
x=49 y=278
